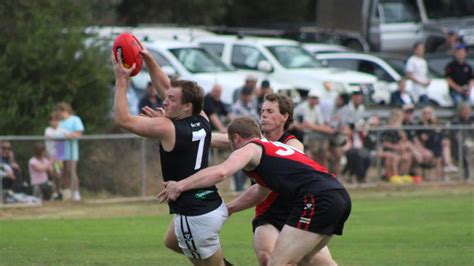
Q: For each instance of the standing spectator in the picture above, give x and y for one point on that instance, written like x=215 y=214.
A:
x=401 y=97
x=341 y=112
x=216 y=110
x=460 y=138
x=150 y=99
x=417 y=71
x=39 y=167
x=357 y=108
x=245 y=106
x=451 y=40
x=316 y=133
x=55 y=151
x=250 y=83
x=263 y=91
x=73 y=124
x=459 y=76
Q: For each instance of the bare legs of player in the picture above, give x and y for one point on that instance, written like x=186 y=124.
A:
x=264 y=240
x=297 y=246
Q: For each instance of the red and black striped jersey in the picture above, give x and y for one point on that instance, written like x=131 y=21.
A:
x=289 y=172
x=263 y=206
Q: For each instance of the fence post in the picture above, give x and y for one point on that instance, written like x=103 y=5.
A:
x=1 y=179
x=461 y=153
x=143 y=165
x=378 y=160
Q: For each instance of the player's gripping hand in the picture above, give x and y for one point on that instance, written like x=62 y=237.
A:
x=149 y=112
x=170 y=193
x=121 y=73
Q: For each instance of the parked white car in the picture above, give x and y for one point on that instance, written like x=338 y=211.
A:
x=287 y=62
x=191 y=62
x=322 y=48
x=388 y=73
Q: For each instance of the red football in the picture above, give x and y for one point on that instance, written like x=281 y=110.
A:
x=128 y=48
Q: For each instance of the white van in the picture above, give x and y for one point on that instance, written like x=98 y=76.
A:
x=285 y=61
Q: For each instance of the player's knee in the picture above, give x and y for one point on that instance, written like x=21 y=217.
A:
x=263 y=257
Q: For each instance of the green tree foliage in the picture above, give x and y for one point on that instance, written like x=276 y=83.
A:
x=234 y=13
x=44 y=60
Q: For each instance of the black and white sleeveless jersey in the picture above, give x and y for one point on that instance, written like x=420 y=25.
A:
x=189 y=155
x=290 y=172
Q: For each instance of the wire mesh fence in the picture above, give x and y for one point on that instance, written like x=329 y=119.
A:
x=125 y=165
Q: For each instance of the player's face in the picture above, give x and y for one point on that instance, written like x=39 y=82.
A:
x=172 y=103
x=270 y=117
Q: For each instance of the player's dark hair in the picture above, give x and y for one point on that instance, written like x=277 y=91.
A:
x=244 y=126
x=285 y=105
x=191 y=93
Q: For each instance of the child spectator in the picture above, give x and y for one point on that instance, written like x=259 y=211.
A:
x=39 y=166
x=55 y=150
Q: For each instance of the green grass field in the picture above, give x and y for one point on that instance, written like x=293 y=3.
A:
x=395 y=226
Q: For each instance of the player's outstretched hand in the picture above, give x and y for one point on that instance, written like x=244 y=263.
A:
x=119 y=70
x=149 y=112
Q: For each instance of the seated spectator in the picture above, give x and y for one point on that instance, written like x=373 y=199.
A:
x=422 y=156
x=417 y=70
x=395 y=141
x=358 y=157
x=216 y=110
x=451 y=40
x=460 y=138
x=401 y=97
x=370 y=137
x=459 y=75
x=316 y=133
x=39 y=166
x=431 y=139
x=150 y=99
x=7 y=176
x=8 y=157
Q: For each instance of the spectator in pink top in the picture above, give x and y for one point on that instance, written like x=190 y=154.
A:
x=39 y=167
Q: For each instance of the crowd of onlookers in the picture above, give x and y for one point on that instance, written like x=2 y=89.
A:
x=53 y=165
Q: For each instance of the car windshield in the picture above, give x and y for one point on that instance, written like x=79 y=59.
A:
x=197 y=60
x=292 y=56
x=437 y=9
x=399 y=66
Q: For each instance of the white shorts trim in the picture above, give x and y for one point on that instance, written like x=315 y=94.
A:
x=198 y=236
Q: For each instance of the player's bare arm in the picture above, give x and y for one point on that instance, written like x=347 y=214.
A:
x=157 y=127
x=246 y=158
x=248 y=199
x=220 y=141
x=159 y=79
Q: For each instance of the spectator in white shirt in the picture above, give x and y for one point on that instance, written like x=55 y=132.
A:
x=417 y=71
